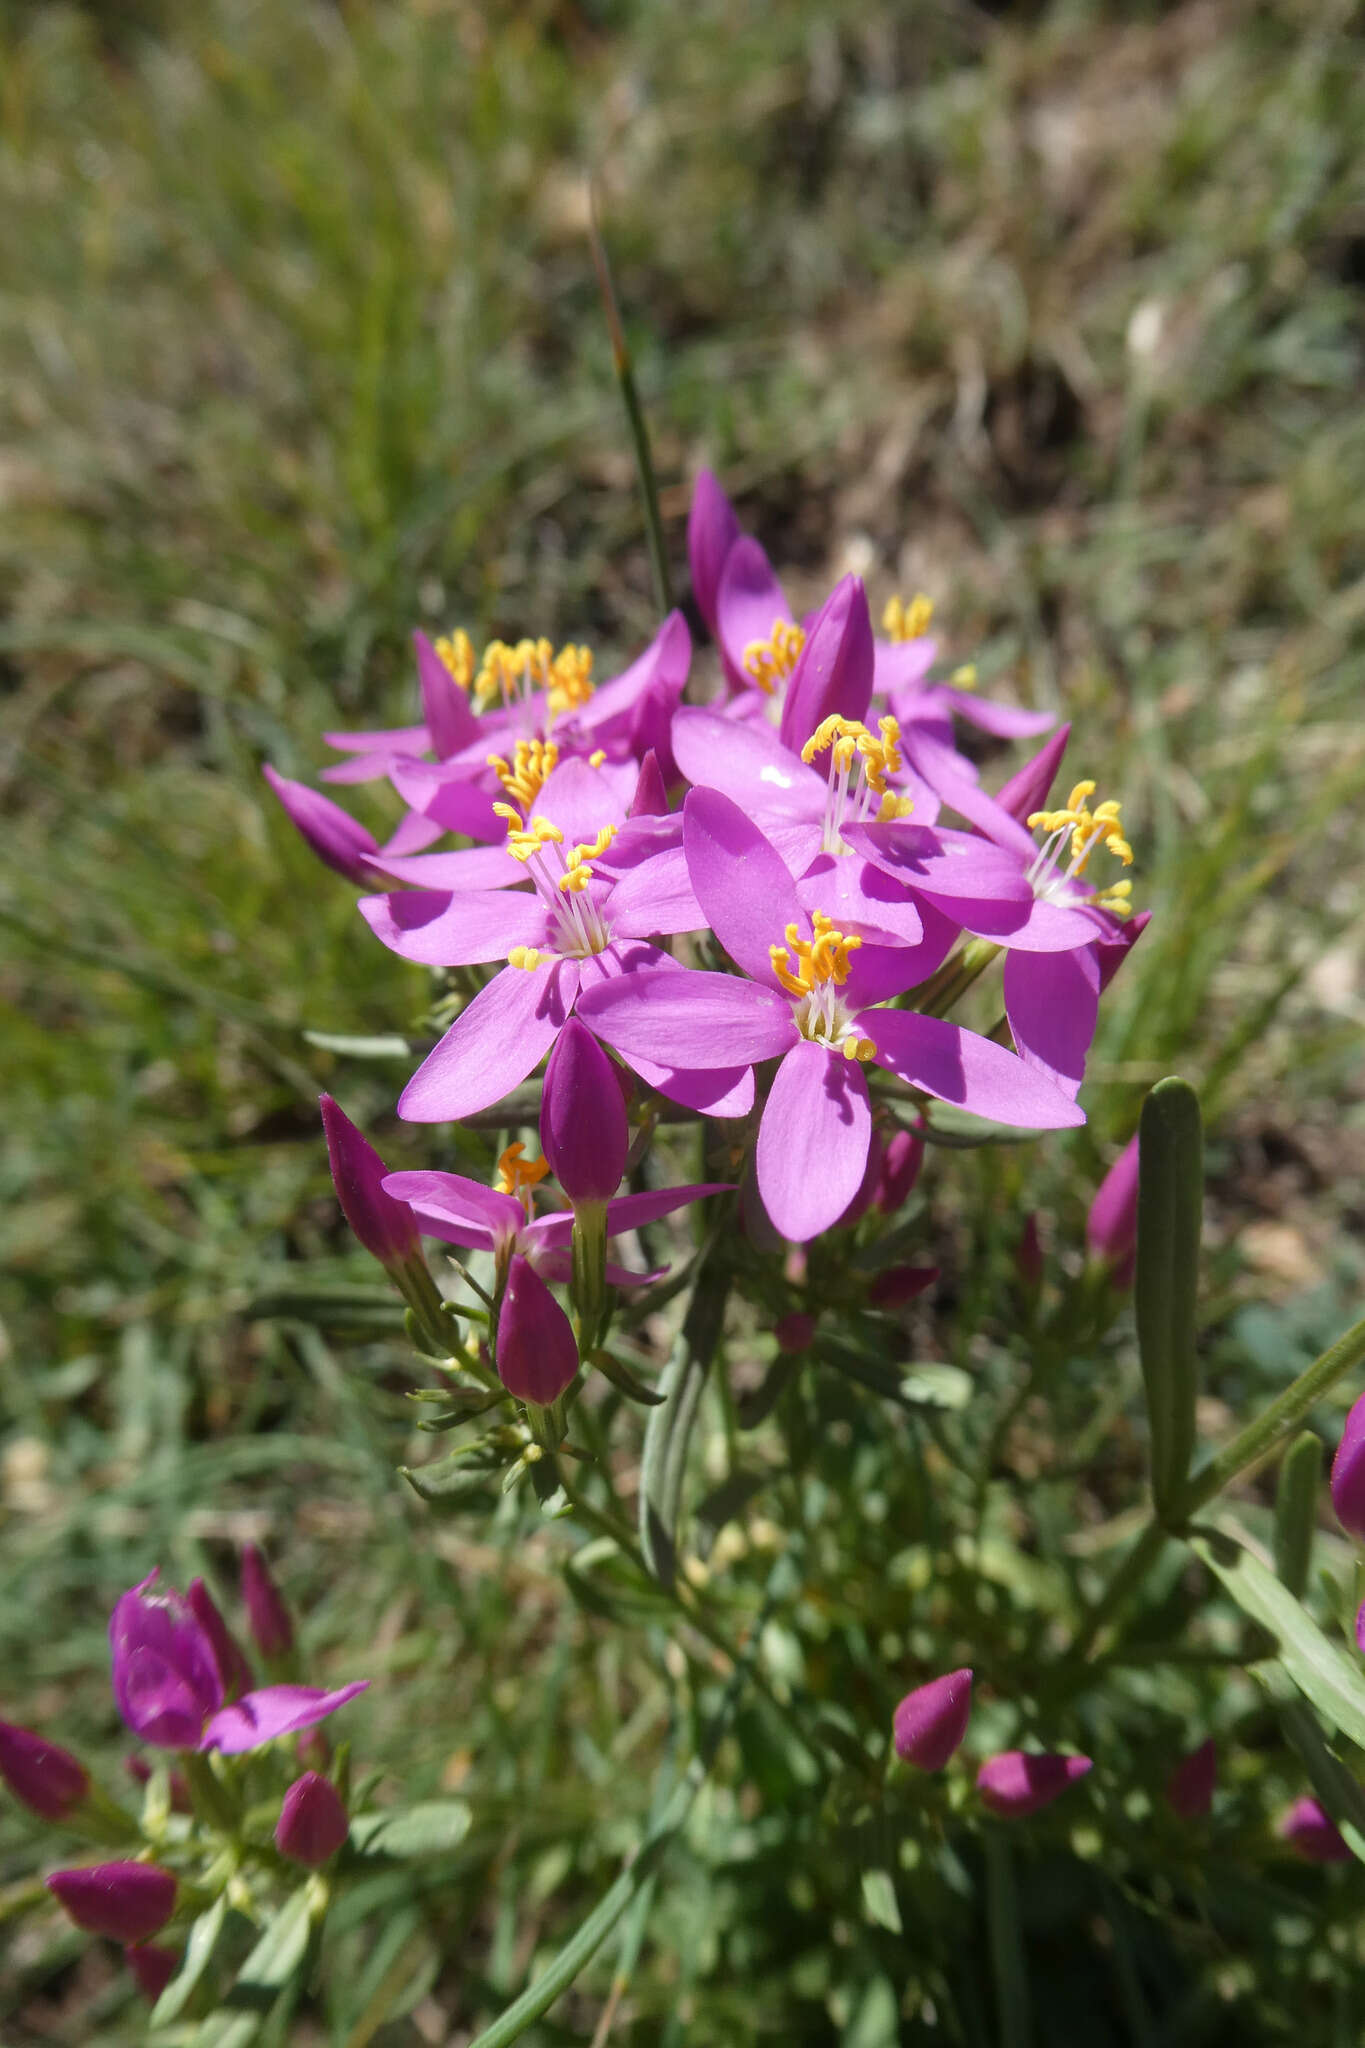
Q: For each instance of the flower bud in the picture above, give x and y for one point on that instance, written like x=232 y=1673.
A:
x=1027 y=789
x=1028 y=1254
x=267 y=1617
x=153 y=1969
x=794 y=1332
x=446 y=711
x=126 y=1901
x=165 y=1674
x=233 y=1668
x=1360 y=1628
x=47 y=1779
x=1189 y=1789
x=1313 y=1834
x=1111 y=1227
x=651 y=797
x=583 y=1130
x=931 y=1721
x=1017 y=1783
x=313 y=1823
x=385 y=1226
x=899 y=1285
x=901 y=1163
x=712 y=530
x=334 y=835
x=1348 y=1473
x=537 y=1355
x=833 y=673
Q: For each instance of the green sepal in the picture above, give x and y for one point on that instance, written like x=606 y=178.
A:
x=1296 y=1510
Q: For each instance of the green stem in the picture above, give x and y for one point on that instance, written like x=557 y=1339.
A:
x=1260 y=1437
x=630 y=397
x=1120 y=1589
x=937 y=995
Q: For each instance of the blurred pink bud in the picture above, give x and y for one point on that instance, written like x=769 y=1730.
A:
x=47 y=1779
x=583 y=1129
x=1027 y=789
x=313 y=1823
x=1360 y=1628
x=900 y=1284
x=537 y=1352
x=794 y=1331
x=153 y=1969
x=126 y=1901
x=446 y=711
x=931 y=1721
x=1189 y=1789
x=901 y=1163
x=386 y=1227
x=1313 y=1834
x=1111 y=1227
x=267 y=1617
x=233 y=1668
x=1348 y=1474
x=712 y=530
x=1028 y=1256
x=334 y=835
x=1017 y=1783
x=651 y=797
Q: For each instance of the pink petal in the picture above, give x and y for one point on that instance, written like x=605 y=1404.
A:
x=462 y=1211
x=628 y=1212
x=749 y=602
x=861 y=899
x=685 y=1019
x=717 y=1091
x=746 y=762
x=741 y=881
x=273 y=1710
x=1004 y=721
x=493 y=1044
x=449 y=717
x=470 y=867
x=412 y=834
x=813 y=1140
x=951 y=868
x=581 y=799
x=442 y=930
x=712 y=530
x=959 y=1066
x=397 y=739
x=1052 y=1002
x=902 y=665
x=1028 y=788
x=656 y=896
x=834 y=672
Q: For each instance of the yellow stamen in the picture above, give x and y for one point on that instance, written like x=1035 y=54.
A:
x=1089 y=829
x=821 y=958
x=517 y=1176
x=771 y=661
x=596 y=760
x=845 y=737
x=1117 y=899
x=579 y=873
x=893 y=808
x=525 y=776
x=855 y=1048
x=525 y=957
x=456 y=652
x=901 y=621
x=525 y=841
x=570 y=680
x=964 y=678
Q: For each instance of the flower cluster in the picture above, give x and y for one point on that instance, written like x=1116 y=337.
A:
x=758 y=907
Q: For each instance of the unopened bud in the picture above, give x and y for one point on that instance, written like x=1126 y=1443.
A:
x=583 y=1130
x=231 y=1658
x=126 y=1901
x=313 y=1823
x=537 y=1355
x=1348 y=1473
x=1017 y=1783
x=46 y=1778
x=794 y=1332
x=385 y=1226
x=272 y=1630
x=333 y=834
x=1189 y=1789
x=901 y=1162
x=1028 y=1255
x=931 y=1721
x=153 y=1968
x=1111 y=1227
x=899 y=1285
x=1313 y=1834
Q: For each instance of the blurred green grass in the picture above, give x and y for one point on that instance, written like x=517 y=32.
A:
x=1053 y=312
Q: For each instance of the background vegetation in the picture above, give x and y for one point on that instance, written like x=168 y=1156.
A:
x=1051 y=311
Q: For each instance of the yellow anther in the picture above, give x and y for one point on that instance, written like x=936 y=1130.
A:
x=456 y=653
x=855 y=1048
x=1089 y=829
x=823 y=957
x=525 y=957
x=771 y=661
x=901 y=621
x=596 y=760
x=1117 y=899
x=579 y=873
x=964 y=678
x=830 y=733
x=525 y=841
x=524 y=777
x=893 y=808
x=845 y=737
x=517 y=1176
x=570 y=680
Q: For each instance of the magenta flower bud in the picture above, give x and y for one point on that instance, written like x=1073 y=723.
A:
x=833 y=673
x=1348 y=1475
x=1027 y=789
x=153 y=1969
x=385 y=1226
x=1017 y=1783
x=1028 y=1255
x=313 y=1823
x=1313 y=1834
x=794 y=1332
x=537 y=1355
x=931 y=1721
x=899 y=1285
x=233 y=1668
x=165 y=1674
x=900 y=1170
x=712 y=530
x=1189 y=1789
x=267 y=1617
x=334 y=835
x=583 y=1129
x=651 y=797
x=126 y=1901
x=1111 y=1227
x=47 y=1779
x=1360 y=1628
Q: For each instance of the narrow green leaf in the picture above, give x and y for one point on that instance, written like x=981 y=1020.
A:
x=880 y=1904
x=1319 y=1669
x=330 y=1308
x=198 y=1950
x=431 y=1829
x=387 y=1045
x=268 y=1971
x=623 y=1379
x=1006 y=1944
x=1296 y=1510
x=668 y=1431
x=1338 y=1791
x=1170 y=1202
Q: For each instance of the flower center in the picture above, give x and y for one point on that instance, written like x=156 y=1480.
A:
x=901 y=621
x=859 y=763
x=562 y=882
x=532 y=763
x=518 y=1176
x=1086 y=830
x=813 y=970
x=456 y=651
x=771 y=661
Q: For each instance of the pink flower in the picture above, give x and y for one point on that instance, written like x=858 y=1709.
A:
x=1018 y=1782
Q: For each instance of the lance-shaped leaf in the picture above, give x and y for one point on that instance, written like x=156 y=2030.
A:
x=198 y=1954
x=1296 y=1510
x=278 y=1958
x=1170 y=1199
x=1318 y=1668
x=431 y=1829
x=668 y=1431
